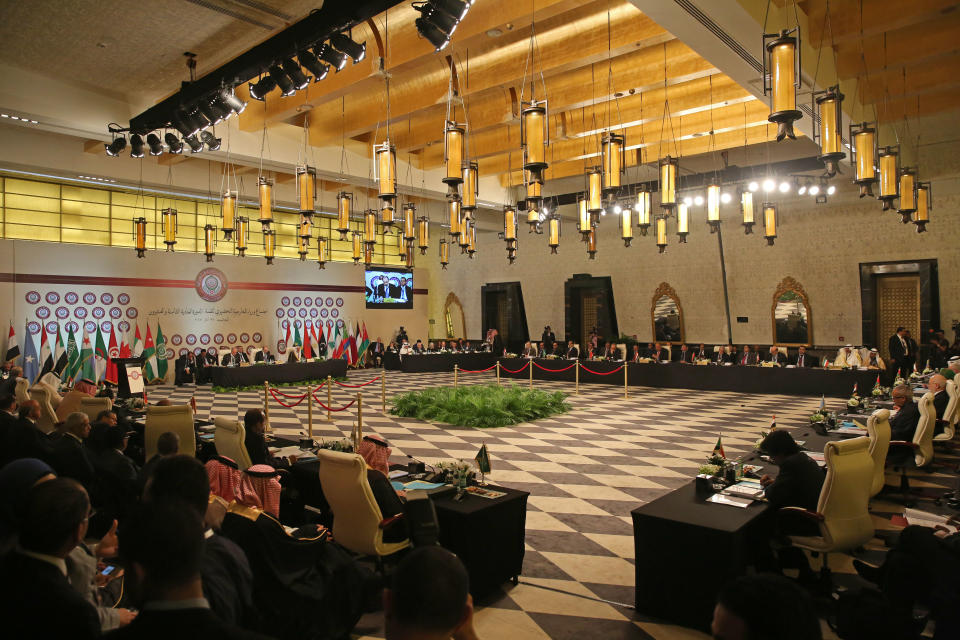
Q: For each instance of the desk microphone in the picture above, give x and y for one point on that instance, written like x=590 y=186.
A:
x=418 y=466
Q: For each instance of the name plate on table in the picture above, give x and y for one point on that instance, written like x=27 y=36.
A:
x=702 y=362
x=768 y=364
x=644 y=360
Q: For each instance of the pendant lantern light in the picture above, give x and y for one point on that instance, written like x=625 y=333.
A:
x=265 y=191
x=453 y=209
x=553 y=232
x=592 y=243
x=140 y=236
x=209 y=241
x=322 y=251
x=781 y=80
x=304 y=229
x=534 y=138
x=402 y=244
x=828 y=113
x=269 y=244
x=228 y=213
x=713 y=207
x=746 y=208
x=509 y=223
x=388 y=213
x=669 y=168
x=243 y=235
x=408 y=259
x=386 y=166
x=583 y=218
x=453 y=155
x=409 y=221
x=169 y=218
x=464 y=238
x=626 y=225
x=444 y=253
x=924 y=203
x=534 y=192
x=356 y=240
x=533 y=218
x=595 y=193
x=643 y=211
x=683 y=221
x=368 y=255
x=370 y=227
x=303 y=248
x=512 y=251
x=307 y=189
x=864 y=141
x=423 y=235
x=472 y=247
x=887 y=159
x=344 y=205
x=908 y=194
x=612 y=145
x=769 y=222
x=662 y=233
x=469 y=191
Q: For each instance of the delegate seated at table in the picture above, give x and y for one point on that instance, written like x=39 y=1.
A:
x=418 y=347
x=798 y=483
x=264 y=355
x=683 y=354
x=541 y=351
x=637 y=354
x=775 y=356
x=874 y=361
x=748 y=357
x=376 y=453
x=702 y=353
x=802 y=359
x=612 y=352
x=529 y=351
x=658 y=353
x=255 y=423
x=848 y=357
x=294 y=355
x=937 y=384
x=572 y=352
x=903 y=425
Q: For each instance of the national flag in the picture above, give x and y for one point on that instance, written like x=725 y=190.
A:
x=100 y=355
x=330 y=344
x=30 y=365
x=483 y=459
x=826 y=363
x=149 y=358
x=348 y=351
x=718 y=448
x=854 y=388
x=161 y=355
x=286 y=340
x=307 y=352
x=354 y=355
x=46 y=356
x=914 y=367
x=124 y=347
x=88 y=365
x=823 y=403
x=137 y=348
x=297 y=341
x=73 y=355
x=337 y=344
x=113 y=352
x=13 y=349
x=773 y=423
x=876 y=385
x=60 y=360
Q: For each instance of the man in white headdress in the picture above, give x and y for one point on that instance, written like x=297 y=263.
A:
x=848 y=357
x=874 y=361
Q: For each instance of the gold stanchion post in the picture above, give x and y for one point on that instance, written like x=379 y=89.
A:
x=309 y=412
x=359 y=420
x=498 y=373
x=329 y=397
x=383 y=390
x=577 y=377
x=266 y=406
x=530 y=364
x=625 y=381
x=455 y=369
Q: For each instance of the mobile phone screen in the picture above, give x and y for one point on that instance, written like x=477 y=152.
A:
x=107 y=570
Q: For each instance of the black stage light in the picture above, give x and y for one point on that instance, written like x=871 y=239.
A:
x=115 y=147
x=136 y=146
x=195 y=145
x=300 y=80
x=328 y=54
x=184 y=124
x=156 y=147
x=356 y=50
x=431 y=32
x=444 y=21
x=199 y=121
x=282 y=80
x=210 y=112
x=212 y=142
x=456 y=8
x=263 y=86
x=173 y=143
x=308 y=60
x=231 y=101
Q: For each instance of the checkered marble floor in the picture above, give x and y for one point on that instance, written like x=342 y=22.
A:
x=585 y=471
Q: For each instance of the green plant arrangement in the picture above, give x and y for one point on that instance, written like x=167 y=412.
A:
x=259 y=387
x=344 y=445
x=451 y=472
x=479 y=406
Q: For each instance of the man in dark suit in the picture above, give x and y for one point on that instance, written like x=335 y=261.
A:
x=36 y=599
x=612 y=352
x=637 y=353
x=572 y=352
x=798 y=483
x=418 y=347
x=729 y=355
x=547 y=337
x=802 y=359
x=69 y=455
x=185 y=369
x=377 y=349
x=904 y=424
x=683 y=354
x=900 y=352
x=775 y=356
x=702 y=353
x=658 y=353
x=117 y=475
x=265 y=355
x=20 y=437
x=748 y=356
x=497 y=347
x=938 y=387
x=234 y=358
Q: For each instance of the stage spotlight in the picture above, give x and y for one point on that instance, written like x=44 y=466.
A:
x=156 y=146
x=431 y=32
x=231 y=101
x=328 y=54
x=173 y=143
x=212 y=142
x=198 y=121
x=195 y=145
x=357 y=51
x=116 y=147
x=813 y=189
x=299 y=78
x=136 y=146
x=185 y=125
x=260 y=89
x=210 y=112
x=617 y=209
x=802 y=189
x=282 y=80
x=832 y=189
x=725 y=198
x=784 y=187
x=769 y=185
x=753 y=186
x=688 y=201
x=698 y=201
x=308 y=60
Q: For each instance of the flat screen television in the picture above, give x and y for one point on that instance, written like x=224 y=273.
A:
x=389 y=288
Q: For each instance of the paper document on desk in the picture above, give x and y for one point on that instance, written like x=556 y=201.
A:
x=746 y=489
x=416 y=484
x=925 y=519
x=817 y=457
x=733 y=501
x=292 y=450
x=398 y=473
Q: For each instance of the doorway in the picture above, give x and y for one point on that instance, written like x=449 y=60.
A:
x=502 y=309
x=588 y=305
x=899 y=294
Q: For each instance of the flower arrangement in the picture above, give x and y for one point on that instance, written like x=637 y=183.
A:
x=510 y=354
x=708 y=469
x=452 y=472
x=899 y=380
x=818 y=417
x=926 y=369
x=854 y=401
x=879 y=391
x=343 y=445
x=134 y=404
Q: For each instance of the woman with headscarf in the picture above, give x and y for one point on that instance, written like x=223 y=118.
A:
x=376 y=452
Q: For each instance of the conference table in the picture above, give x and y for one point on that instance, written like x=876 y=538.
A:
x=287 y=372
x=745 y=379
x=438 y=362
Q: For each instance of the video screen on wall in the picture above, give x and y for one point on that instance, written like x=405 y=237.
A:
x=389 y=288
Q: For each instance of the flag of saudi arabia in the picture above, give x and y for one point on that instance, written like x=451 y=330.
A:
x=297 y=341
x=149 y=358
x=73 y=356
x=483 y=459
x=161 y=354
x=88 y=368
x=60 y=360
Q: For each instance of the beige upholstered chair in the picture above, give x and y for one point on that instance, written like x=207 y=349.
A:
x=841 y=514
x=93 y=406
x=357 y=520
x=51 y=383
x=878 y=429
x=228 y=438
x=923 y=436
x=176 y=418
x=950 y=414
x=20 y=391
x=48 y=416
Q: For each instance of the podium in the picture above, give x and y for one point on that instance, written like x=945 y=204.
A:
x=128 y=379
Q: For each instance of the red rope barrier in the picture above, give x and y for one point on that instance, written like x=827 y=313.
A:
x=343 y=408
x=554 y=370
x=597 y=373
x=285 y=395
x=518 y=370
x=357 y=386
x=282 y=403
x=493 y=366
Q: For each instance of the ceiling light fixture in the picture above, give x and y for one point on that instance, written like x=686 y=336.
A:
x=282 y=80
x=116 y=146
x=335 y=58
x=136 y=146
x=195 y=145
x=296 y=75
x=308 y=60
x=174 y=145
x=356 y=50
x=156 y=146
x=769 y=185
x=260 y=89
x=212 y=142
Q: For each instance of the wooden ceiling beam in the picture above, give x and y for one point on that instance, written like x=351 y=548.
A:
x=929 y=104
x=900 y=48
x=916 y=81
x=848 y=24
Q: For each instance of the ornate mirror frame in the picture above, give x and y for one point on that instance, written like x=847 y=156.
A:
x=665 y=291
x=451 y=299
x=789 y=284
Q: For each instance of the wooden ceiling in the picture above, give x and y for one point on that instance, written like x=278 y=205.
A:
x=578 y=55
x=904 y=58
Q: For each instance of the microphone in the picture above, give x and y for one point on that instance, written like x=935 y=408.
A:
x=418 y=466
